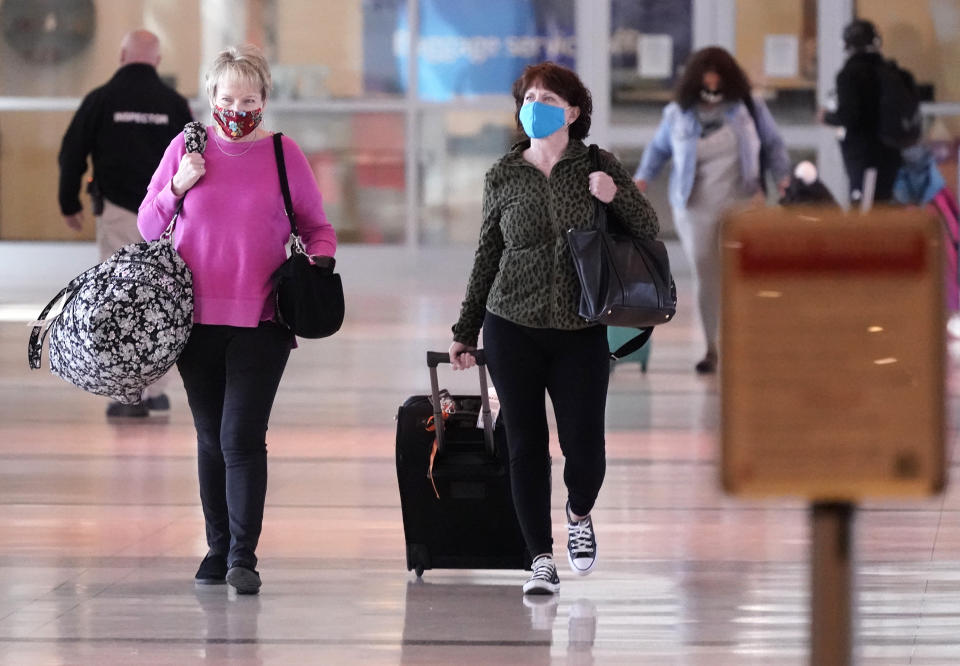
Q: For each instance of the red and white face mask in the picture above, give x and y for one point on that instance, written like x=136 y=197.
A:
x=237 y=124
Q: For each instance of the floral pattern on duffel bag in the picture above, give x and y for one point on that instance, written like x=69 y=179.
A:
x=124 y=323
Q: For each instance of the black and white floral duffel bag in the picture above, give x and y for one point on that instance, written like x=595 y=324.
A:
x=123 y=323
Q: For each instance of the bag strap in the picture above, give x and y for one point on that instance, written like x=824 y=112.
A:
x=632 y=345
x=297 y=245
x=599 y=208
x=193 y=145
x=752 y=110
x=39 y=332
x=167 y=234
x=594 y=153
x=284 y=183
x=41 y=325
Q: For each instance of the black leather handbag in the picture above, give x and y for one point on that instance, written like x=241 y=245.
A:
x=308 y=297
x=624 y=281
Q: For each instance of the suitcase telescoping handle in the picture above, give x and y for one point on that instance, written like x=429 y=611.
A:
x=436 y=358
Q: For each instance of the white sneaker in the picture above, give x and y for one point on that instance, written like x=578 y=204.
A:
x=581 y=545
x=544 y=579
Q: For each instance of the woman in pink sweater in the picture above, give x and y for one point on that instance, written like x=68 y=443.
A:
x=231 y=232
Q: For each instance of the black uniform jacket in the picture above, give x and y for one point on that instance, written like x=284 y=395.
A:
x=126 y=125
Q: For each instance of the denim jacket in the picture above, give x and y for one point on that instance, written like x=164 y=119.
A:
x=679 y=133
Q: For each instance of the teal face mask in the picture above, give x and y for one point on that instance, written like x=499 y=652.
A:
x=540 y=120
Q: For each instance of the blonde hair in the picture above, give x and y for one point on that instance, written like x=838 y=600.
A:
x=245 y=63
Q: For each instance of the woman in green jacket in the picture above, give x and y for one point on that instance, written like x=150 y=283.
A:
x=524 y=293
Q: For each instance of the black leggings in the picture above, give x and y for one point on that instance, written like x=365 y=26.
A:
x=231 y=375
x=574 y=368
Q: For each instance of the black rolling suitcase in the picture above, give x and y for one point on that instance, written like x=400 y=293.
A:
x=464 y=517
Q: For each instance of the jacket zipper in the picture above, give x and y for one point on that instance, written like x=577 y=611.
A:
x=552 y=314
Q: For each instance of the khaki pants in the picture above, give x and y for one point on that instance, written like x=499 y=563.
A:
x=117 y=227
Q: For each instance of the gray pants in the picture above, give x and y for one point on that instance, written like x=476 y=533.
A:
x=699 y=233
x=117 y=227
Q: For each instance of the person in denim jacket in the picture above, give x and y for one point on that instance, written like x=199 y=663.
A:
x=714 y=132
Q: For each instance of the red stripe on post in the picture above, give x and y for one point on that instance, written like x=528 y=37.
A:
x=838 y=251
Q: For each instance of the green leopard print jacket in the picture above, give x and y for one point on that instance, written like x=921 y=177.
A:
x=522 y=270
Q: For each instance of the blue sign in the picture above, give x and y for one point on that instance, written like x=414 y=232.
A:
x=468 y=47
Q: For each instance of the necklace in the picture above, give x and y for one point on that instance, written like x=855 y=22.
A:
x=216 y=140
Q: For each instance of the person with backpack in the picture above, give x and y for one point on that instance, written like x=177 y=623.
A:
x=878 y=109
x=721 y=139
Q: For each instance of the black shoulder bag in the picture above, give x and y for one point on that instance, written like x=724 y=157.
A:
x=308 y=298
x=624 y=281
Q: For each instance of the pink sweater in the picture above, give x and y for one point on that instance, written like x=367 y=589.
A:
x=232 y=229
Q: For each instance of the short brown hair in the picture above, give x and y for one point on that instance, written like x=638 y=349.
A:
x=563 y=82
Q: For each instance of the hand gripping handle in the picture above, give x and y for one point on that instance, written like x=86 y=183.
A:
x=434 y=359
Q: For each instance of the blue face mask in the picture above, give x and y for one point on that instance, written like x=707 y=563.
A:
x=540 y=120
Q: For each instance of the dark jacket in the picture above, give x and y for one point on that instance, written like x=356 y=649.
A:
x=858 y=104
x=523 y=270
x=125 y=125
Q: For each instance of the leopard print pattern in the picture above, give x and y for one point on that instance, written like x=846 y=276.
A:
x=523 y=270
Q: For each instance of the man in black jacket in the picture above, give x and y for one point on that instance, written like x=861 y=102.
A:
x=858 y=113
x=125 y=125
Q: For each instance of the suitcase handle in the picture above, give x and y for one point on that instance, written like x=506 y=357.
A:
x=434 y=359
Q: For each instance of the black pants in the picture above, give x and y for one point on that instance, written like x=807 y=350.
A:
x=573 y=367
x=231 y=375
x=887 y=163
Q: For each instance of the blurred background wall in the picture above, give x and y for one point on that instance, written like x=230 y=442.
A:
x=402 y=166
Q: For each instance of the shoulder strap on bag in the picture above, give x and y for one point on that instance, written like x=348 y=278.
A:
x=752 y=110
x=39 y=332
x=632 y=345
x=284 y=184
x=599 y=208
x=194 y=141
x=594 y=153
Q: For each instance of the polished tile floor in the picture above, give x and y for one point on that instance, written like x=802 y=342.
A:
x=101 y=531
